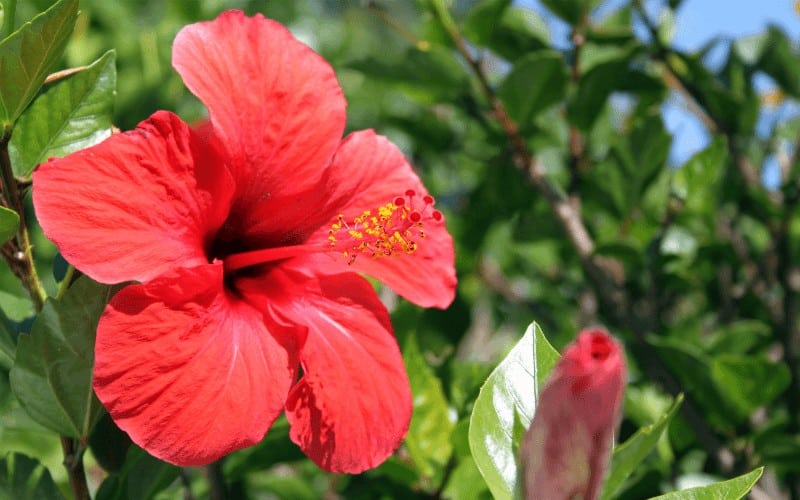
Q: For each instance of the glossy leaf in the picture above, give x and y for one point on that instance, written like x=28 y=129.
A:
x=630 y=454
x=52 y=374
x=509 y=393
x=732 y=489
x=536 y=82
x=23 y=478
x=9 y=223
x=428 y=438
x=28 y=54
x=73 y=114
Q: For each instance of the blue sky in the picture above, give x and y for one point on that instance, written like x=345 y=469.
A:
x=696 y=23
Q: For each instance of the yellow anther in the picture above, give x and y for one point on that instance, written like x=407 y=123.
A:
x=388 y=230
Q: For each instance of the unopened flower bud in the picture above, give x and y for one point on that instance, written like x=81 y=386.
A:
x=565 y=453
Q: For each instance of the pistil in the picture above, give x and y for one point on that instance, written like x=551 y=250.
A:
x=393 y=229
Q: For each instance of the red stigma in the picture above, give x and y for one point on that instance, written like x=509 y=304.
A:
x=390 y=230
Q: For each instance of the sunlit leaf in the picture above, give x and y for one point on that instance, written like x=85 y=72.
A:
x=428 y=438
x=73 y=114
x=27 y=55
x=510 y=392
x=52 y=374
x=732 y=489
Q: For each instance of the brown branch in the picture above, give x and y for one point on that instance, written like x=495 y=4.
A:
x=73 y=462
x=577 y=148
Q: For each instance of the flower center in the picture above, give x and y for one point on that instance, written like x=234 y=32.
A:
x=392 y=229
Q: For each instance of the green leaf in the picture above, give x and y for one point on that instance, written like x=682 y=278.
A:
x=109 y=444
x=8 y=344
x=613 y=69
x=732 y=489
x=431 y=71
x=749 y=382
x=146 y=475
x=520 y=32
x=9 y=223
x=571 y=11
x=509 y=393
x=23 y=478
x=739 y=337
x=28 y=55
x=428 y=439
x=52 y=375
x=142 y=477
x=483 y=19
x=697 y=182
x=275 y=448
x=630 y=454
x=73 y=114
x=466 y=482
x=780 y=60
x=692 y=367
x=536 y=82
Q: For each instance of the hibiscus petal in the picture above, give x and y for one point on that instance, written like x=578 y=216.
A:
x=136 y=205
x=368 y=172
x=351 y=408
x=276 y=105
x=189 y=372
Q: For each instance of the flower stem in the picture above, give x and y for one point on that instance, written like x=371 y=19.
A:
x=18 y=252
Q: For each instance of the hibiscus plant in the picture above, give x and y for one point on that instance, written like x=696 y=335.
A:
x=296 y=250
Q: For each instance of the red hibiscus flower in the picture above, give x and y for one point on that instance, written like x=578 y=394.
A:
x=565 y=452
x=246 y=238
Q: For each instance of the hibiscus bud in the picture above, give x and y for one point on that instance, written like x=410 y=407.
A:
x=565 y=452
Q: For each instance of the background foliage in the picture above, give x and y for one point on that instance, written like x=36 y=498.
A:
x=551 y=162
